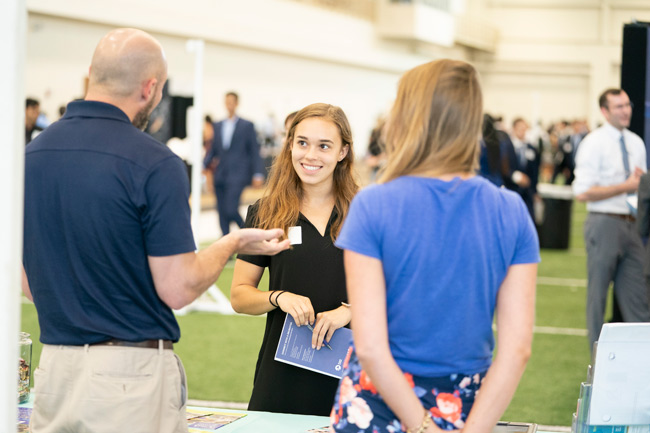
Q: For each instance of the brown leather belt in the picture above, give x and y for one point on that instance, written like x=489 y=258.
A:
x=150 y=344
x=625 y=217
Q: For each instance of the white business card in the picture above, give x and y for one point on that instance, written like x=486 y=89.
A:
x=295 y=235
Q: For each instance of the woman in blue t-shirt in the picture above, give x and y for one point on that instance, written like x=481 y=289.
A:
x=431 y=253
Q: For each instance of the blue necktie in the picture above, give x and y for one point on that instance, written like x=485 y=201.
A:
x=626 y=167
x=626 y=159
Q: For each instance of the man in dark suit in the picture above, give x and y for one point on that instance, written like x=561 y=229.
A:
x=523 y=161
x=567 y=148
x=235 y=159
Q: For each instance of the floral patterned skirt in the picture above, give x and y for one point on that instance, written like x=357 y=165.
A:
x=358 y=408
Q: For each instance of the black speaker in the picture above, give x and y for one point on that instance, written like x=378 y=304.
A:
x=635 y=77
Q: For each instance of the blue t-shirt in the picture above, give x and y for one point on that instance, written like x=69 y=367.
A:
x=445 y=248
x=101 y=196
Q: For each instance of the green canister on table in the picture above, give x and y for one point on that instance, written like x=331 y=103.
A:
x=24 y=366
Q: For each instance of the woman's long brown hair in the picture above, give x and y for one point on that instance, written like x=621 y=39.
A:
x=435 y=123
x=280 y=205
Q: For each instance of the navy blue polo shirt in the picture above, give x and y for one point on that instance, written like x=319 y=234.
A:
x=101 y=196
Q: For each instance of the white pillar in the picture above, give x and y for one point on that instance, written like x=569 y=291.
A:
x=196 y=46
x=13 y=18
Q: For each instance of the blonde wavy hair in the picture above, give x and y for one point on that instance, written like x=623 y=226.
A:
x=435 y=123
x=280 y=205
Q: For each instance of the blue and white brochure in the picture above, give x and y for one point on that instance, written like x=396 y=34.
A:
x=295 y=348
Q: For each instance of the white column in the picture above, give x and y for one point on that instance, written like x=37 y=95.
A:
x=13 y=17
x=196 y=46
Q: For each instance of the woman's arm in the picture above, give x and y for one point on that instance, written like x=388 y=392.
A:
x=244 y=295
x=367 y=295
x=515 y=321
x=246 y=298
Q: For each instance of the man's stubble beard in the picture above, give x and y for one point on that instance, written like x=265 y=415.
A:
x=141 y=119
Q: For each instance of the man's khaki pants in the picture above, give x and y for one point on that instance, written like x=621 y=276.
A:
x=109 y=389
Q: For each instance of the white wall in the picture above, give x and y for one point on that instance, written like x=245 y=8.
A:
x=565 y=51
x=279 y=59
x=535 y=96
x=267 y=82
x=553 y=58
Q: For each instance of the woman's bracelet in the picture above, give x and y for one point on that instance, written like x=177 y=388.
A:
x=345 y=304
x=426 y=421
x=271 y=292
x=276 y=298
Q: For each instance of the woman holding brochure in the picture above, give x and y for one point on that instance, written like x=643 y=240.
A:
x=310 y=189
x=430 y=253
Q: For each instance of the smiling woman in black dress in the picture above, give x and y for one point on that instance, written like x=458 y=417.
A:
x=311 y=186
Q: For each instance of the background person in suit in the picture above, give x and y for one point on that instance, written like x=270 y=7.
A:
x=567 y=148
x=525 y=161
x=492 y=159
x=235 y=160
x=32 y=111
x=513 y=178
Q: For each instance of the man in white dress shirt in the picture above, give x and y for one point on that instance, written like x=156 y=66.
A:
x=609 y=163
